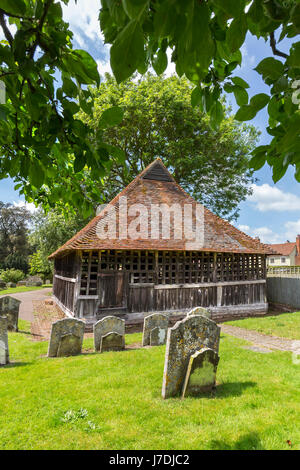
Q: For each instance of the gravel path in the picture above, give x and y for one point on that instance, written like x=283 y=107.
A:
x=259 y=339
x=26 y=307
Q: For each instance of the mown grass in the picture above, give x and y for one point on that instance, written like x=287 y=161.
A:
x=256 y=405
x=16 y=290
x=286 y=325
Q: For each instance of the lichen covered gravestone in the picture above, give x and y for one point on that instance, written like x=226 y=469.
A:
x=9 y=308
x=66 y=337
x=4 y=357
x=201 y=372
x=112 y=342
x=184 y=339
x=159 y=323
x=199 y=311
x=109 y=324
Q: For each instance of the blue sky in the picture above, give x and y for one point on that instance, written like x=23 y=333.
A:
x=273 y=211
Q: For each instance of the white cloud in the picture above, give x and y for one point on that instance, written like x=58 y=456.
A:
x=29 y=205
x=104 y=67
x=269 y=198
x=84 y=19
x=265 y=234
x=292 y=229
x=248 y=60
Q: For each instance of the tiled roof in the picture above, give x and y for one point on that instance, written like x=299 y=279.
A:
x=284 y=249
x=155 y=186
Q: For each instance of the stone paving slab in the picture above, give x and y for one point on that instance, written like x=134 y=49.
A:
x=259 y=339
x=26 y=298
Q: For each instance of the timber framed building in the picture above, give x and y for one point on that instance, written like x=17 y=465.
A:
x=105 y=271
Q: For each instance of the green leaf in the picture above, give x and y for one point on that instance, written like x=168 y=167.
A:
x=160 y=62
x=134 y=8
x=240 y=82
x=259 y=101
x=245 y=113
x=241 y=95
x=232 y=8
x=216 y=115
x=69 y=88
x=112 y=116
x=36 y=174
x=270 y=68
x=15 y=7
x=79 y=162
x=258 y=161
x=88 y=64
x=294 y=59
x=127 y=51
x=196 y=97
x=236 y=33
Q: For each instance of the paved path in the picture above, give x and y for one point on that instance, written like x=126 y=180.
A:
x=26 y=307
x=259 y=339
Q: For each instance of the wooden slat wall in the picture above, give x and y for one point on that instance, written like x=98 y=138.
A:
x=64 y=291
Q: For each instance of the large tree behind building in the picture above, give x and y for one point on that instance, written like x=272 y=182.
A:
x=14 y=246
x=159 y=121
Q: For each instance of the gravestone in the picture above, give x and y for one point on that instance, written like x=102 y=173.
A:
x=201 y=373
x=158 y=336
x=66 y=337
x=199 y=311
x=184 y=339
x=109 y=324
x=112 y=342
x=9 y=308
x=2 y=285
x=4 y=357
x=153 y=321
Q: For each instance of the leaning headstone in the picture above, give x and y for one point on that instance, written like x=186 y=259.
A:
x=184 y=339
x=109 y=324
x=112 y=342
x=199 y=311
x=66 y=337
x=4 y=357
x=155 y=320
x=9 y=308
x=201 y=373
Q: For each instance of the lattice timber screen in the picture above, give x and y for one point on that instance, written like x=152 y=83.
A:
x=170 y=267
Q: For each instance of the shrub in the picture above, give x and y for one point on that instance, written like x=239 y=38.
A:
x=12 y=275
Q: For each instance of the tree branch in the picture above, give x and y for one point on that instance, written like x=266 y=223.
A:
x=274 y=48
x=6 y=31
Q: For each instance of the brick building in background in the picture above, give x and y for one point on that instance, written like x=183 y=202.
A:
x=288 y=254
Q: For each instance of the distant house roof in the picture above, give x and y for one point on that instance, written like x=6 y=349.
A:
x=155 y=185
x=284 y=249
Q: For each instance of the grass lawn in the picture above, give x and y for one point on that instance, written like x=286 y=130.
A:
x=113 y=400
x=286 y=325
x=16 y=290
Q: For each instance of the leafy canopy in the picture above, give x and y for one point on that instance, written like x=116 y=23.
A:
x=205 y=40
x=159 y=121
x=42 y=143
x=44 y=146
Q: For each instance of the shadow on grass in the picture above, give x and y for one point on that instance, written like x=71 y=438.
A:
x=225 y=390
x=232 y=389
x=15 y=364
x=250 y=441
